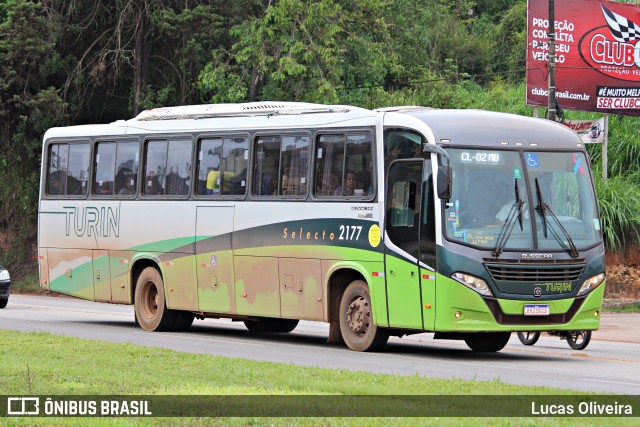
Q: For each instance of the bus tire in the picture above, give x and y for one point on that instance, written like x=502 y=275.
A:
x=287 y=325
x=150 y=304
x=4 y=302
x=487 y=342
x=529 y=338
x=579 y=340
x=357 y=326
x=183 y=321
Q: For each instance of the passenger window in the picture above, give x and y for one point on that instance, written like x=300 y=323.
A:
x=344 y=166
x=280 y=166
x=127 y=160
x=329 y=164
x=105 y=165
x=295 y=161
x=222 y=166
x=155 y=167
x=68 y=169
x=266 y=166
x=168 y=167
x=116 y=168
x=179 y=167
x=78 y=170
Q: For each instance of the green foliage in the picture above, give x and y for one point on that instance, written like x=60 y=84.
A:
x=624 y=145
x=619 y=201
x=28 y=107
x=302 y=51
x=509 y=55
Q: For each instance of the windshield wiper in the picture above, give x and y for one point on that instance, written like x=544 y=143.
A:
x=543 y=208
x=510 y=222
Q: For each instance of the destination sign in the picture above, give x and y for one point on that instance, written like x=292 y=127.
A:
x=481 y=157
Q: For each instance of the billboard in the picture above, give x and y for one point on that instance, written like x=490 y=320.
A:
x=590 y=131
x=597 y=55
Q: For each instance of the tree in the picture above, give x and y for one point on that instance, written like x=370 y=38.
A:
x=28 y=106
x=302 y=51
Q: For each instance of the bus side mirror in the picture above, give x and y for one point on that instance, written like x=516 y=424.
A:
x=444 y=182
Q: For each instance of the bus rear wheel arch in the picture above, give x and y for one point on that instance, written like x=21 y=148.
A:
x=357 y=326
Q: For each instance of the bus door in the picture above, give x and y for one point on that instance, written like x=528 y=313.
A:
x=402 y=226
x=411 y=245
x=214 y=259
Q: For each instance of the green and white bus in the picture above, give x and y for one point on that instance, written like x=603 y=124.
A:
x=469 y=224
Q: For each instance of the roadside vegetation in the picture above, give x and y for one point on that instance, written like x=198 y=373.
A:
x=633 y=307
x=95 y=61
x=49 y=365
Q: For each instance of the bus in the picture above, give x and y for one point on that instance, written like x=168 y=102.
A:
x=464 y=223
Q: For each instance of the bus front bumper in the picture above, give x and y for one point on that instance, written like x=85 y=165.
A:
x=459 y=309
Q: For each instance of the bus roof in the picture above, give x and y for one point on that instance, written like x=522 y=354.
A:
x=493 y=129
x=450 y=127
x=212 y=117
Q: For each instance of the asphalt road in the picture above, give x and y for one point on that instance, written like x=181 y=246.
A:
x=611 y=362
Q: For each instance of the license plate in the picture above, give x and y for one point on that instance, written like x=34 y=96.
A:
x=536 y=310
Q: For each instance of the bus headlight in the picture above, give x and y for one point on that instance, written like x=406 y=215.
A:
x=472 y=282
x=590 y=284
x=4 y=275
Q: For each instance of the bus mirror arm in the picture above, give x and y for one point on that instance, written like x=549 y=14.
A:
x=444 y=182
x=444 y=172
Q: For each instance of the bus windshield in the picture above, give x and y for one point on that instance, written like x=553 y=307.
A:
x=522 y=201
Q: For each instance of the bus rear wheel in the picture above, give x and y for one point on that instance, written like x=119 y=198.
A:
x=357 y=326
x=487 y=342
x=149 y=303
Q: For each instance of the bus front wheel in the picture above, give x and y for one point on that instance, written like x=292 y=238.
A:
x=487 y=342
x=151 y=310
x=357 y=327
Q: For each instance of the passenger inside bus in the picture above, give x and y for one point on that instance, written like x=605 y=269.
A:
x=125 y=181
x=356 y=184
x=326 y=184
x=213 y=182
x=291 y=184
x=351 y=183
x=153 y=184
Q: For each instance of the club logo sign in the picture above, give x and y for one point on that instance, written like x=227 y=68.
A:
x=597 y=55
x=613 y=49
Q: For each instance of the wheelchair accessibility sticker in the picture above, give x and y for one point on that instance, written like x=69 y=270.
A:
x=532 y=160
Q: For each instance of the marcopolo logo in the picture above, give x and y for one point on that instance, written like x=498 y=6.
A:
x=613 y=49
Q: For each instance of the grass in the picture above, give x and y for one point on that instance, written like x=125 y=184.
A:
x=45 y=364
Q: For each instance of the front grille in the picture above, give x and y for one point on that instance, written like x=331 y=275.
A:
x=535 y=273
x=518 y=319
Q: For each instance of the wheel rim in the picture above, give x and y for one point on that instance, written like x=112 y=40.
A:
x=359 y=316
x=150 y=299
x=577 y=337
